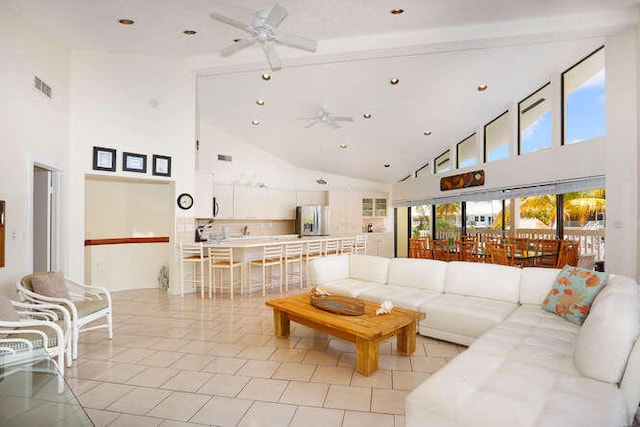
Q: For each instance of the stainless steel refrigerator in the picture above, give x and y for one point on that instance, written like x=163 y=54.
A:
x=312 y=220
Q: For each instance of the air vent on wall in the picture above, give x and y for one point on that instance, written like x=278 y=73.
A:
x=42 y=87
x=224 y=158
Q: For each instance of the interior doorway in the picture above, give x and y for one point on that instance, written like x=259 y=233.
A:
x=45 y=235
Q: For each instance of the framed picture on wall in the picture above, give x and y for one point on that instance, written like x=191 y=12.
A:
x=161 y=165
x=133 y=162
x=104 y=159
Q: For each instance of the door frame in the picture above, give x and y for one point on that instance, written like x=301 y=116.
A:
x=55 y=245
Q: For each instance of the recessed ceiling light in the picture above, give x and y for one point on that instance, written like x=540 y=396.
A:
x=394 y=81
x=482 y=88
x=397 y=11
x=260 y=101
x=427 y=133
x=321 y=181
x=367 y=115
x=126 y=21
x=266 y=76
x=190 y=32
x=386 y=165
x=255 y=122
x=237 y=40
x=343 y=146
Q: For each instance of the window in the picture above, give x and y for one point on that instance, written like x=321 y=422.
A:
x=422 y=170
x=448 y=222
x=484 y=218
x=443 y=162
x=421 y=221
x=583 y=104
x=538 y=215
x=534 y=121
x=497 y=138
x=466 y=152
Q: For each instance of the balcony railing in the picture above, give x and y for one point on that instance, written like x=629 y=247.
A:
x=591 y=242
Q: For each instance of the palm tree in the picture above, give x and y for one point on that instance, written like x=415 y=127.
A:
x=582 y=205
x=542 y=207
x=448 y=210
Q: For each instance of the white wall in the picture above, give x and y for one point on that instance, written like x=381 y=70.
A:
x=252 y=165
x=33 y=128
x=615 y=156
x=131 y=103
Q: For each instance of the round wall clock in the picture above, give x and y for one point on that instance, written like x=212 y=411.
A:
x=185 y=201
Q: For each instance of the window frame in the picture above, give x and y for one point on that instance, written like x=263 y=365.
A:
x=519 y=109
x=562 y=88
x=484 y=148
x=458 y=150
x=435 y=162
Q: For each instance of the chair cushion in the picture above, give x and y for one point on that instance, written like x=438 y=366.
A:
x=573 y=292
x=51 y=285
x=36 y=339
x=8 y=312
x=88 y=307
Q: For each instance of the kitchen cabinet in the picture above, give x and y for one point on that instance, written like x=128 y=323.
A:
x=345 y=216
x=263 y=203
x=380 y=244
x=374 y=206
x=203 y=197
x=224 y=200
x=311 y=198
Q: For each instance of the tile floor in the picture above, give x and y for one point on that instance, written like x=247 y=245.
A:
x=187 y=362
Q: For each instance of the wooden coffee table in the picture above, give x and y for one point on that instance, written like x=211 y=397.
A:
x=366 y=330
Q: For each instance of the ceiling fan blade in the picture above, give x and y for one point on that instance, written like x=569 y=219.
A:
x=333 y=125
x=311 y=124
x=297 y=42
x=276 y=15
x=230 y=21
x=341 y=119
x=272 y=56
x=231 y=49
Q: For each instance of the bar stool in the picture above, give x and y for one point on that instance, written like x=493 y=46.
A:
x=360 y=244
x=292 y=256
x=192 y=254
x=347 y=246
x=332 y=247
x=221 y=259
x=271 y=257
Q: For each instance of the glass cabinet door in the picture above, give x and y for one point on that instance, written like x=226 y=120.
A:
x=381 y=207
x=367 y=207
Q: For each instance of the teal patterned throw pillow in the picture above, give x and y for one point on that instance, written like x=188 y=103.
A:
x=573 y=292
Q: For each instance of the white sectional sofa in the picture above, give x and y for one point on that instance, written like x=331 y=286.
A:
x=524 y=366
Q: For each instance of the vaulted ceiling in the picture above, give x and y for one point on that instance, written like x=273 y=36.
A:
x=439 y=50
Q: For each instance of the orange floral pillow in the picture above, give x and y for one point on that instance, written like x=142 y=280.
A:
x=573 y=292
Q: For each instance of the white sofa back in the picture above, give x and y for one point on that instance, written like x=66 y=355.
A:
x=417 y=273
x=369 y=268
x=327 y=269
x=535 y=284
x=492 y=281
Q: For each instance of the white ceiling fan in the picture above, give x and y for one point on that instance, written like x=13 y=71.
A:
x=263 y=30
x=325 y=117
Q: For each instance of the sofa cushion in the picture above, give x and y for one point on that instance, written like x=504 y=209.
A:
x=573 y=292
x=529 y=314
x=400 y=296
x=51 y=285
x=418 y=273
x=535 y=284
x=600 y=353
x=482 y=390
x=350 y=287
x=327 y=269
x=369 y=268
x=463 y=315
x=492 y=281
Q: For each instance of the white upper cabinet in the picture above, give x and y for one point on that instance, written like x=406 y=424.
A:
x=223 y=194
x=311 y=198
x=203 y=197
x=346 y=207
x=264 y=203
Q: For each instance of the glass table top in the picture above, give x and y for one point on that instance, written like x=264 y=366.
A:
x=33 y=393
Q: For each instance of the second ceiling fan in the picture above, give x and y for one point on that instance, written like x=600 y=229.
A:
x=263 y=30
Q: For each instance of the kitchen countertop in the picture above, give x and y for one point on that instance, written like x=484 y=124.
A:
x=255 y=242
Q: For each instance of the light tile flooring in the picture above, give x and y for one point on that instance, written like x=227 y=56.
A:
x=187 y=361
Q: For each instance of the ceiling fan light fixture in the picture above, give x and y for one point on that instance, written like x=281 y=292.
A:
x=255 y=122
x=397 y=11
x=427 y=133
x=394 y=81
x=125 y=21
x=266 y=77
x=386 y=165
x=482 y=88
x=190 y=32
x=367 y=115
x=260 y=102
x=343 y=146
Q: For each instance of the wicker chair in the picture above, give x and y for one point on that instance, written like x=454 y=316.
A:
x=88 y=304
x=500 y=253
x=568 y=254
x=440 y=250
x=39 y=326
x=467 y=250
x=548 y=253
